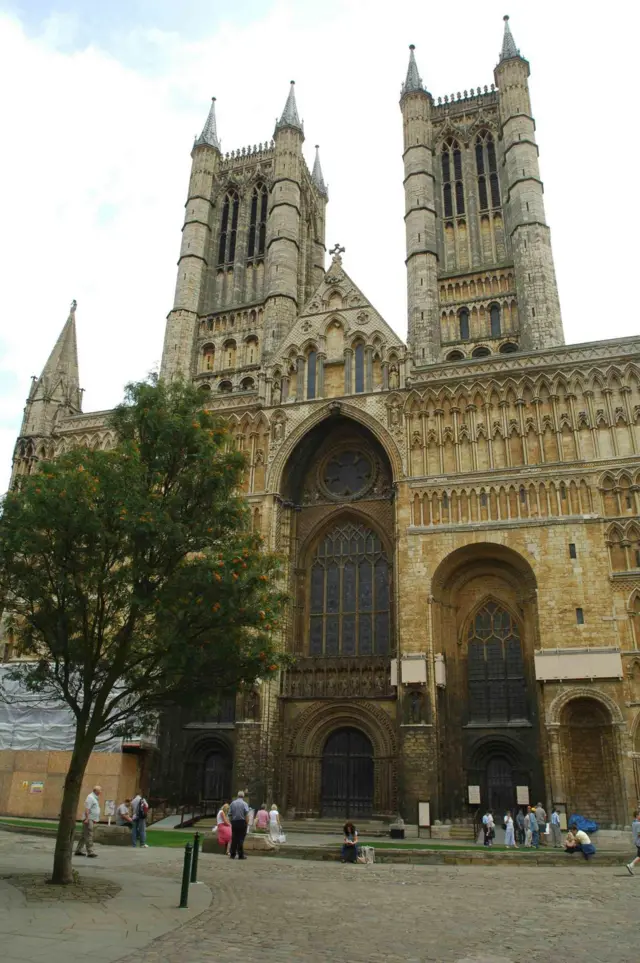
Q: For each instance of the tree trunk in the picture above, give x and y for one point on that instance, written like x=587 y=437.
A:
x=62 y=868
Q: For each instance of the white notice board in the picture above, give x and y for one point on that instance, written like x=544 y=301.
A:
x=522 y=795
x=424 y=814
x=474 y=795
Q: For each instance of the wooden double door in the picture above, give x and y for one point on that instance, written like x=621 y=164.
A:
x=347 y=774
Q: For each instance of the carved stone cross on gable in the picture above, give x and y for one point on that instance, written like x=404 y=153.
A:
x=337 y=251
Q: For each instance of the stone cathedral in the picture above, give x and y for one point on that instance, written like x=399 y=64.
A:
x=459 y=513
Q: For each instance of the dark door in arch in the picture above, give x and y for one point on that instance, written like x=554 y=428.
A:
x=347 y=774
x=501 y=790
x=216 y=776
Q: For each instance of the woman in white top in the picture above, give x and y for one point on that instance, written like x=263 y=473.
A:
x=275 y=827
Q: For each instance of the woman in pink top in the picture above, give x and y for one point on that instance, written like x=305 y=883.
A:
x=262 y=819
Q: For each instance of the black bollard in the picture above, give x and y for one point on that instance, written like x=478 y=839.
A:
x=194 y=861
x=186 y=872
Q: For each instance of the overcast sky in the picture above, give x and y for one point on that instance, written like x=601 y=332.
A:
x=101 y=101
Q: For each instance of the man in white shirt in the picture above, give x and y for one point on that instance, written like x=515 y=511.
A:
x=90 y=817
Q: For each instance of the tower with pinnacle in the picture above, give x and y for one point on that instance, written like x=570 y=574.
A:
x=480 y=273
x=252 y=253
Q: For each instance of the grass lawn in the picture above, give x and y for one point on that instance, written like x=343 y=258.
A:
x=157 y=837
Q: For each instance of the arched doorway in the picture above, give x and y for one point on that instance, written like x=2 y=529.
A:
x=347 y=774
x=591 y=757
x=216 y=776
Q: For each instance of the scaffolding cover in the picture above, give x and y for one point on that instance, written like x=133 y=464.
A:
x=31 y=720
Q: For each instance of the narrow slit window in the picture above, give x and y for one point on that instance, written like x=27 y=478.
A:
x=572 y=550
x=579 y=617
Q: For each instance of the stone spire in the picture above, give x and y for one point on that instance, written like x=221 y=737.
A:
x=414 y=80
x=209 y=135
x=61 y=370
x=56 y=391
x=316 y=174
x=509 y=48
x=289 y=116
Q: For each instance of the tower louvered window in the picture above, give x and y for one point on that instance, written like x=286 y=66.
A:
x=452 y=182
x=350 y=606
x=486 y=166
x=494 y=317
x=228 y=228
x=496 y=679
x=258 y=222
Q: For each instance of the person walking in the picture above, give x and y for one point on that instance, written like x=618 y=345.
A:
x=139 y=810
x=509 y=832
x=488 y=825
x=635 y=830
x=275 y=826
x=556 y=832
x=533 y=826
x=520 y=834
x=541 y=819
x=238 y=817
x=90 y=817
x=223 y=827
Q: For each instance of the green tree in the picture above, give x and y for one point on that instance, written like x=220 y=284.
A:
x=133 y=579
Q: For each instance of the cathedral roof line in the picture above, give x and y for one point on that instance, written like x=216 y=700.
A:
x=289 y=117
x=209 y=135
x=413 y=81
x=509 y=49
x=316 y=174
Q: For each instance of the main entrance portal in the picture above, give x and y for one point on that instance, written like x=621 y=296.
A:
x=347 y=774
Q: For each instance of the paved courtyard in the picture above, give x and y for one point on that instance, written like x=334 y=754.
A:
x=266 y=910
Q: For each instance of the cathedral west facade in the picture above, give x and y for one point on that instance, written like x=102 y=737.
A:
x=459 y=514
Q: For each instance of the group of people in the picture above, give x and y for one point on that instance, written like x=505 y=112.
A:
x=526 y=829
x=236 y=818
x=131 y=813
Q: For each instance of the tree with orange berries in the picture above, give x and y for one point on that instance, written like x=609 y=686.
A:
x=133 y=579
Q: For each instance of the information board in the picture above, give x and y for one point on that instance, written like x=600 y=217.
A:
x=424 y=815
x=474 y=795
x=522 y=795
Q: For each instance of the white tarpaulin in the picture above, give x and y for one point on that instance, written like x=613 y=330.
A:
x=29 y=720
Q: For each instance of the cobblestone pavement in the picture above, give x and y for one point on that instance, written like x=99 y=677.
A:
x=281 y=910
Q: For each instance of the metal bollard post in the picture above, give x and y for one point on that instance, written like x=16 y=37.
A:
x=186 y=872
x=194 y=861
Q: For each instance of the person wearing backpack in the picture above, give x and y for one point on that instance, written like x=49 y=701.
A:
x=139 y=810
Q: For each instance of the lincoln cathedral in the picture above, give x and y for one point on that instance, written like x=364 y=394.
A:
x=459 y=512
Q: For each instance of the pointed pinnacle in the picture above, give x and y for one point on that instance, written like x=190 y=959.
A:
x=509 y=48
x=209 y=135
x=316 y=174
x=62 y=363
x=414 y=80
x=289 y=116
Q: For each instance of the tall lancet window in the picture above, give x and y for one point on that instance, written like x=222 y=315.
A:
x=452 y=179
x=228 y=228
x=486 y=166
x=495 y=668
x=312 y=358
x=258 y=222
x=359 y=366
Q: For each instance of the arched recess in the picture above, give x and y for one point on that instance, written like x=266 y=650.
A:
x=465 y=585
x=334 y=410
x=207 y=771
x=307 y=742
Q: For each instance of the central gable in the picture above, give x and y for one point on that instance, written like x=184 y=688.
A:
x=337 y=321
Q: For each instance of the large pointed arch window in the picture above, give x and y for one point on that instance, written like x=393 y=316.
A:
x=452 y=180
x=350 y=605
x=486 y=167
x=496 y=679
x=228 y=228
x=257 y=222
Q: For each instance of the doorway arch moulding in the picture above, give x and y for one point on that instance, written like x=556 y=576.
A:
x=337 y=408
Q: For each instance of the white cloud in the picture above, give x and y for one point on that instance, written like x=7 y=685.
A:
x=95 y=163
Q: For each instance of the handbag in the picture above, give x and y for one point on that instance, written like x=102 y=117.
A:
x=282 y=838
